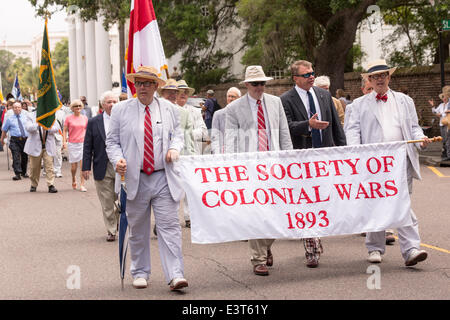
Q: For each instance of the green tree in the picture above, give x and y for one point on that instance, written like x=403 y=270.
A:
x=6 y=59
x=194 y=27
x=419 y=21
x=60 y=60
x=21 y=67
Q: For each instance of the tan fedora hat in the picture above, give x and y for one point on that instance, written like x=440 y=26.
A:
x=145 y=72
x=255 y=74
x=182 y=85
x=171 y=84
x=378 y=66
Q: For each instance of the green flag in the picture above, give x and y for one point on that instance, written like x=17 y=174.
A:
x=48 y=100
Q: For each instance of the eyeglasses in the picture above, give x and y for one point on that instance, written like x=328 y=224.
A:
x=305 y=75
x=379 y=76
x=258 y=83
x=144 y=83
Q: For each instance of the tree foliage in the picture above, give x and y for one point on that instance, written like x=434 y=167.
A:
x=114 y=11
x=419 y=21
x=195 y=28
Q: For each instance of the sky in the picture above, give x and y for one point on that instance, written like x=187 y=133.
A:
x=19 y=24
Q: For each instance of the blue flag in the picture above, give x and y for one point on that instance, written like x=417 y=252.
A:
x=16 y=89
x=124 y=83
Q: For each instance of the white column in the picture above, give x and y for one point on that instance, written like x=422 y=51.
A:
x=73 y=79
x=81 y=59
x=104 y=79
x=91 y=65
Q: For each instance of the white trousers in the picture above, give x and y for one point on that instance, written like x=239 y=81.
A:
x=57 y=159
x=185 y=209
x=153 y=192
x=408 y=237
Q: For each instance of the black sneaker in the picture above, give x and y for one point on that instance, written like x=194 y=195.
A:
x=33 y=189
x=17 y=177
x=52 y=189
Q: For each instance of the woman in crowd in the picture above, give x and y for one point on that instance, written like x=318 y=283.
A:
x=73 y=137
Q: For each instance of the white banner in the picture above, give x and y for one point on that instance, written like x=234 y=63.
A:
x=296 y=193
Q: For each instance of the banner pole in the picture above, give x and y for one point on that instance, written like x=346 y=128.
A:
x=435 y=139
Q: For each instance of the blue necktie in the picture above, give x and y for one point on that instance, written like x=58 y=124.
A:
x=315 y=133
x=22 y=131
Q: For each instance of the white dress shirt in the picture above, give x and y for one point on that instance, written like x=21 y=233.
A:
x=390 y=120
x=304 y=97
x=106 y=120
x=254 y=108
x=157 y=130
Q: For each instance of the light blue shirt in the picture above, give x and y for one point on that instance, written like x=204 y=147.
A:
x=12 y=125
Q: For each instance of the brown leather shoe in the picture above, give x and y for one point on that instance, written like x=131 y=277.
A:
x=269 y=261
x=260 y=270
x=312 y=262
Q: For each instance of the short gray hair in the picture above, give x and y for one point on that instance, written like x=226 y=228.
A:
x=108 y=94
x=322 y=81
x=234 y=89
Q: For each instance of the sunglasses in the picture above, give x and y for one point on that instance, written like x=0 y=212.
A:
x=305 y=75
x=258 y=83
x=379 y=76
x=144 y=83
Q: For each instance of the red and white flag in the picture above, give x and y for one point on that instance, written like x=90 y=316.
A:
x=144 y=41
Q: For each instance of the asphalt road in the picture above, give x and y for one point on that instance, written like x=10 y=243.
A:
x=53 y=247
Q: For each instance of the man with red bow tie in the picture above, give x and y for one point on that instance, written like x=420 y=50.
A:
x=385 y=115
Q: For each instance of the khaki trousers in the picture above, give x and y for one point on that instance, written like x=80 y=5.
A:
x=107 y=197
x=259 y=249
x=35 y=171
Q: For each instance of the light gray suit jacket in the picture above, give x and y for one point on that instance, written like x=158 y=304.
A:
x=364 y=124
x=241 y=131
x=122 y=142
x=218 y=131
x=33 y=146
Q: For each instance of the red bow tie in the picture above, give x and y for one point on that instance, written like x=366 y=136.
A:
x=380 y=97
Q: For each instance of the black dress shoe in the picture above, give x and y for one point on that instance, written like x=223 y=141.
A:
x=33 y=189
x=17 y=177
x=52 y=189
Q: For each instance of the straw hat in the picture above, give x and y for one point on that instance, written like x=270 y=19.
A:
x=183 y=85
x=378 y=66
x=146 y=73
x=171 y=84
x=255 y=74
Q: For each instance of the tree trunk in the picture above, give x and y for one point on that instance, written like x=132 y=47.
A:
x=339 y=37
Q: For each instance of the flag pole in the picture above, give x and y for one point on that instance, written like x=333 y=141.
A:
x=435 y=139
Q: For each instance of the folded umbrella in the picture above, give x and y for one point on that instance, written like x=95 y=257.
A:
x=123 y=229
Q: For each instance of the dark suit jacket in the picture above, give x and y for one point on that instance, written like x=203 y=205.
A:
x=94 y=147
x=298 y=120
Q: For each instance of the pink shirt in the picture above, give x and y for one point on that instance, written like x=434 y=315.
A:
x=76 y=127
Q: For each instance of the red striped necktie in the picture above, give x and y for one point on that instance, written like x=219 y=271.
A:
x=149 y=160
x=262 y=132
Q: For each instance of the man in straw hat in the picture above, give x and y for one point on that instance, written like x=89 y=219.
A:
x=143 y=141
x=381 y=116
x=313 y=123
x=199 y=132
x=170 y=92
x=257 y=122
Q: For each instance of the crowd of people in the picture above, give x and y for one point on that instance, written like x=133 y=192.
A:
x=140 y=138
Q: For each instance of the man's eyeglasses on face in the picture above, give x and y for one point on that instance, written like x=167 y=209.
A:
x=258 y=83
x=379 y=76
x=305 y=75
x=144 y=83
